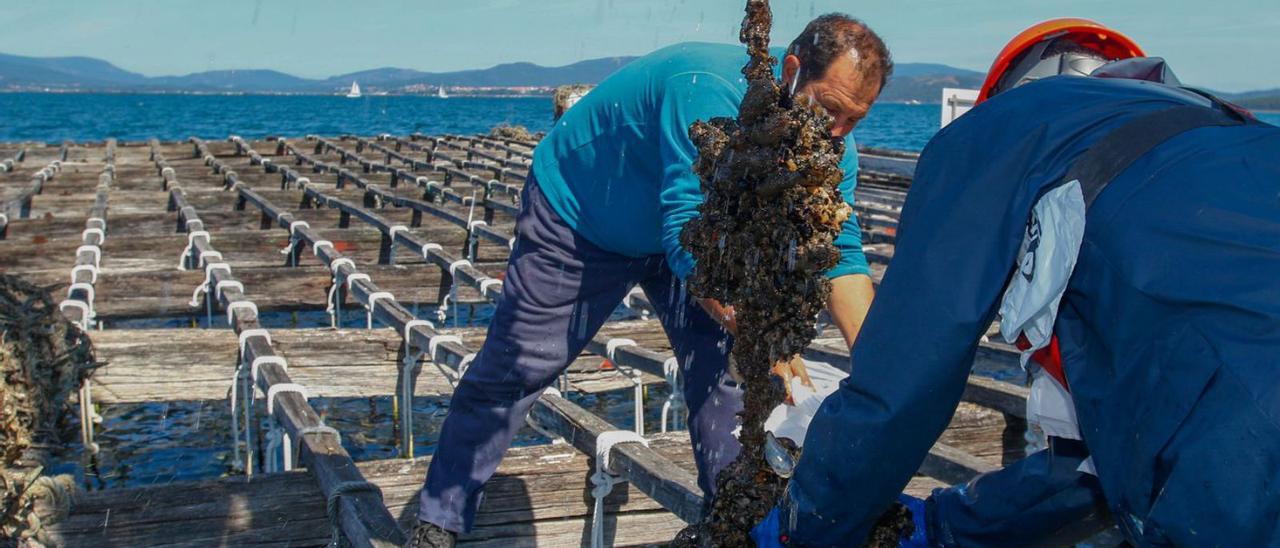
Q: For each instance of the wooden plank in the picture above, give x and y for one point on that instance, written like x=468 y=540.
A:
x=363 y=518
x=539 y=497
x=677 y=490
x=1003 y=396
x=430 y=187
x=458 y=269
x=84 y=274
x=197 y=364
x=951 y=465
x=673 y=491
x=1007 y=398
x=143 y=188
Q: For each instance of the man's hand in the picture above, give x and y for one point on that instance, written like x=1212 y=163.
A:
x=722 y=314
x=787 y=370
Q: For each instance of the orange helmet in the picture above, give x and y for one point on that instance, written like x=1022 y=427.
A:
x=1015 y=58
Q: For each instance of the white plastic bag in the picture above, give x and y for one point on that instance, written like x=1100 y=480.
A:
x=1045 y=263
x=792 y=421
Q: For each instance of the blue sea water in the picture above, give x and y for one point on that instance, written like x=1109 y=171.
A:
x=93 y=117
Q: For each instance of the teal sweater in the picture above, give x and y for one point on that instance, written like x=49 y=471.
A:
x=618 y=165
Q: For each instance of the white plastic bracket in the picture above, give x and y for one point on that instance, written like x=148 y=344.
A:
x=85 y=311
x=231 y=309
x=373 y=302
x=87 y=288
x=275 y=389
x=408 y=332
x=97 y=254
x=93 y=271
x=250 y=333
x=437 y=340
x=603 y=481
x=486 y=283
x=217 y=289
x=102 y=236
x=455 y=265
x=612 y=346
x=259 y=361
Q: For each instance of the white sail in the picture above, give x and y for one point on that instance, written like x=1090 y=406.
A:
x=355 y=90
x=441 y=94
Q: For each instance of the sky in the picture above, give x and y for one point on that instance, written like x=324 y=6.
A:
x=1229 y=45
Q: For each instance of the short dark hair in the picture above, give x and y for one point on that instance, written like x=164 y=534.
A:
x=834 y=34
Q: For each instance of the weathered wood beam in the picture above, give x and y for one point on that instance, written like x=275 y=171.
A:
x=457 y=268
x=655 y=475
x=362 y=517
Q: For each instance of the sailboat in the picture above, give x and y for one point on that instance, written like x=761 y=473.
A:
x=441 y=94
x=355 y=90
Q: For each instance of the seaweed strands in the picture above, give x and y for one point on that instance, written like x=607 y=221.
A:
x=763 y=243
x=43 y=359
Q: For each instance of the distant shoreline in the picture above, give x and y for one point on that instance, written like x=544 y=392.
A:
x=272 y=94
x=457 y=95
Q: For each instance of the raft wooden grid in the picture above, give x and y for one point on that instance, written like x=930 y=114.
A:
x=433 y=225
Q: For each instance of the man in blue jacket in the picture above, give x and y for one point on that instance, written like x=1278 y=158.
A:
x=610 y=189
x=1157 y=321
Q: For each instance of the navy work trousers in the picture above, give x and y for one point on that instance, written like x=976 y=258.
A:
x=559 y=289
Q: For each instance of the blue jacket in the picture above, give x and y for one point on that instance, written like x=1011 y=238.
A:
x=618 y=166
x=1170 y=325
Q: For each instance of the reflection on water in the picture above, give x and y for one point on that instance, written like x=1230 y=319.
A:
x=159 y=443
x=163 y=442
x=353 y=317
x=91 y=116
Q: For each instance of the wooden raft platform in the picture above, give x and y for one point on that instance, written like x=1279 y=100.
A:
x=242 y=238
x=540 y=496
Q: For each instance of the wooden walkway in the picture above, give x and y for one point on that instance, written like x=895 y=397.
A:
x=539 y=497
x=234 y=236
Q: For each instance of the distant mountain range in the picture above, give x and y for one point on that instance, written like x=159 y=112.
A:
x=19 y=73
x=911 y=82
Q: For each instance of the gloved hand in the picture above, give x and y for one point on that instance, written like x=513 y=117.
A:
x=920 y=537
x=768 y=533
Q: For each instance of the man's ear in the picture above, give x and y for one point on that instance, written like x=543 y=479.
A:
x=790 y=66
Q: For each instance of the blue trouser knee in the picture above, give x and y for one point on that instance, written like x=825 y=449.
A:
x=559 y=289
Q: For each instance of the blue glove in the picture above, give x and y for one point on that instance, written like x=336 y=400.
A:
x=920 y=537
x=767 y=534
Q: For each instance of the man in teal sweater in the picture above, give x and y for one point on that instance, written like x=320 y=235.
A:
x=611 y=187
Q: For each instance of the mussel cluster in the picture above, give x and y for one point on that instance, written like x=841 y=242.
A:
x=763 y=242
